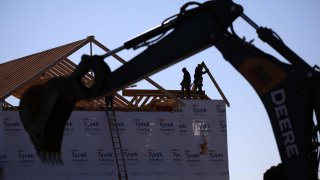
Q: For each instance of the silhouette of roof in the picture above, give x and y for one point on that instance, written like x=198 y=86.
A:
x=17 y=75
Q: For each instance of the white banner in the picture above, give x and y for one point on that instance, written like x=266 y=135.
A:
x=189 y=144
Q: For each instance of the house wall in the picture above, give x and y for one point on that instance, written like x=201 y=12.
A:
x=156 y=145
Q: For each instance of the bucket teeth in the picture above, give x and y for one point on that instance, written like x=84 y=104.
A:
x=50 y=158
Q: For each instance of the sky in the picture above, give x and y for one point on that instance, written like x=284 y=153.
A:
x=27 y=27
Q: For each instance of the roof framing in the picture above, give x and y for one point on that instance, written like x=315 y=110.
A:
x=18 y=75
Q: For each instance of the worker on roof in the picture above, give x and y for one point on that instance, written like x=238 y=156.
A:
x=198 y=79
x=186 y=81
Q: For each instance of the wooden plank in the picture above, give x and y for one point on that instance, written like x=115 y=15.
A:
x=165 y=92
x=63 y=64
x=34 y=65
x=138 y=100
x=132 y=100
x=116 y=104
x=119 y=102
x=122 y=98
x=144 y=92
x=145 y=101
x=147 y=79
x=63 y=69
x=216 y=84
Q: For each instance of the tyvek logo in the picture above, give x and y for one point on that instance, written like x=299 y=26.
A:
x=120 y=125
x=200 y=127
x=183 y=128
x=130 y=155
x=221 y=111
x=215 y=156
x=165 y=126
x=80 y=158
x=223 y=126
x=11 y=126
x=25 y=158
x=143 y=127
x=176 y=155
x=91 y=125
x=198 y=110
x=191 y=156
x=105 y=157
x=69 y=128
x=155 y=155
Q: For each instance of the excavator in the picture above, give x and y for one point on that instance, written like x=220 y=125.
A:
x=289 y=90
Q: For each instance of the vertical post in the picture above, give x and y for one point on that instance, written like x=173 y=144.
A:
x=90 y=48
x=2 y=139
x=1 y=107
x=91 y=55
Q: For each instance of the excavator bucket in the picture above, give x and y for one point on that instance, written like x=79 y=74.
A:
x=45 y=109
x=44 y=113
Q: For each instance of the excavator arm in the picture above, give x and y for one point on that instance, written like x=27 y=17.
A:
x=289 y=91
x=191 y=32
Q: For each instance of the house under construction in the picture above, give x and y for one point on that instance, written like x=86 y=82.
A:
x=149 y=134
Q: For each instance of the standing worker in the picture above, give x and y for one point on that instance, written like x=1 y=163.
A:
x=198 y=78
x=186 y=81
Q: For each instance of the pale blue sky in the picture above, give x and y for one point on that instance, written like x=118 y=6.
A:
x=31 y=26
